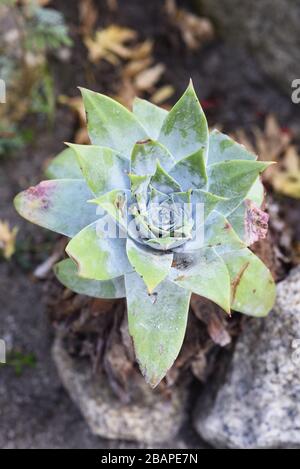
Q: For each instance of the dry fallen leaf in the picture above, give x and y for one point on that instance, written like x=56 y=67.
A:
x=7 y=239
x=162 y=94
x=146 y=79
x=194 y=30
x=88 y=16
x=110 y=44
x=274 y=144
x=76 y=105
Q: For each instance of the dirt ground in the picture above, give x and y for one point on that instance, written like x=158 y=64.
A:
x=35 y=411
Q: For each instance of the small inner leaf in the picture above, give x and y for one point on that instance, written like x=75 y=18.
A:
x=163 y=182
x=150 y=116
x=152 y=266
x=190 y=172
x=145 y=154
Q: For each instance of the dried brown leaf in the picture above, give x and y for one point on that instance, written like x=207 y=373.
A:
x=146 y=79
x=7 y=239
x=88 y=16
x=195 y=31
x=110 y=44
x=162 y=94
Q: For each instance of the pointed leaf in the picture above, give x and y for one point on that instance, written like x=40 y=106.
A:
x=185 y=130
x=209 y=200
x=150 y=116
x=59 y=205
x=233 y=179
x=204 y=272
x=66 y=272
x=223 y=148
x=64 y=166
x=163 y=182
x=144 y=157
x=110 y=124
x=219 y=232
x=190 y=171
x=253 y=287
x=97 y=257
x=157 y=324
x=103 y=168
x=115 y=203
x=152 y=266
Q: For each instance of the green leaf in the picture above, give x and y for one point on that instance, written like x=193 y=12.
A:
x=152 y=266
x=219 y=232
x=64 y=166
x=150 y=116
x=253 y=287
x=110 y=124
x=103 y=168
x=163 y=182
x=144 y=157
x=66 y=272
x=98 y=257
x=115 y=203
x=209 y=200
x=59 y=205
x=223 y=148
x=190 y=171
x=204 y=272
x=233 y=180
x=157 y=324
x=185 y=130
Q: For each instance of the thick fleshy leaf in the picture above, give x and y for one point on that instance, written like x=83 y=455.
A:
x=144 y=157
x=204 y=272
x=103 y=168
x=152 y=266
x=110 y=124
x=219 y=232
x=233 y=180
x=98 y=258
x=150 y=116
x=209 y=200
x=185 y=130
x=66 y=272
x=157 y=324
x=115 y=203
x=253 y=287
x=224 y=148
x=59 y=205
x=256 y=192
x=190 y=172
x=163 y=182
x=64 y=166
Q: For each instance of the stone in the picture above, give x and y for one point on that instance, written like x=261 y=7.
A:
x=269 y=28
x=151 y=418
x=257 y=403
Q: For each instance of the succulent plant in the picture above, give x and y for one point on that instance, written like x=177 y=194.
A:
x=156 y=208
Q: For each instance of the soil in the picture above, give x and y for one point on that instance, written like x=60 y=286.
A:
x=35 y=411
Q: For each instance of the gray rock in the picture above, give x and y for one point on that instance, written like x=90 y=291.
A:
x=152 y=418
x=257 y=404
x=270 y=28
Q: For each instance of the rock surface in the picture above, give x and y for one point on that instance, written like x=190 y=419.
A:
x=270 y=28
x=150 y=418
x=257 y=404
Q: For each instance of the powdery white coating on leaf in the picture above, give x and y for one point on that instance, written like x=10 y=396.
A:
x=150 y=116
x=58 y=205
x=157 y=324
x=159 y=200
x=66 y=273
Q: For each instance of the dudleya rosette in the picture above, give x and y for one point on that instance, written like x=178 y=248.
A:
x=156 y=208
